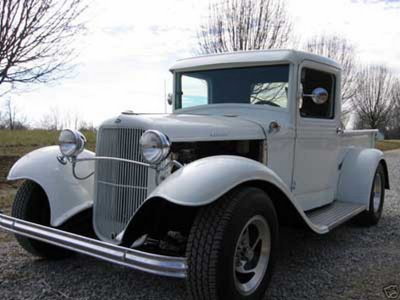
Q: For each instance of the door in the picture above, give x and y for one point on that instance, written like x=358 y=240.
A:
x=317 y=142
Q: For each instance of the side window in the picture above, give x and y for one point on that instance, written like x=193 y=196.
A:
x=194 y=91
x=312 y=79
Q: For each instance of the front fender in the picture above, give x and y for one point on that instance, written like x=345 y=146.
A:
x=357 y=174
x=67 y=195
x=205 y=180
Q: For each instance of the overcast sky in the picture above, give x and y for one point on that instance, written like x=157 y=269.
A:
x=130 y=44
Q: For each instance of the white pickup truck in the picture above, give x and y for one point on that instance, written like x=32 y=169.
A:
x=254 y=142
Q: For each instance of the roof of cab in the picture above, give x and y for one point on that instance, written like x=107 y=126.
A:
x=249 y=58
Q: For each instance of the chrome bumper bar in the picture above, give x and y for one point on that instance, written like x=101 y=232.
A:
x=151 y=263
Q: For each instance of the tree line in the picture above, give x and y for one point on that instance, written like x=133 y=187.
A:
x=370 y=93
x=12 y=118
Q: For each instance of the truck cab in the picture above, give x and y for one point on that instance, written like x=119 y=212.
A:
x=304 y=138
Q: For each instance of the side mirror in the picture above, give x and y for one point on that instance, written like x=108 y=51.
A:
x=319 y=95
x=170 y=98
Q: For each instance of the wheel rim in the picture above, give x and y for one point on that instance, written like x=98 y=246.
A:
x=377 y=192
x=252 y=255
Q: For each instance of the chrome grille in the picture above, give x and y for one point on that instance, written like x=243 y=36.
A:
x=120 y=187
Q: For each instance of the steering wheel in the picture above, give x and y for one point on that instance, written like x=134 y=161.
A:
x=267 y=102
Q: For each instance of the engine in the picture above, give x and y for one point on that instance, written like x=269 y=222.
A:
x=188 y=152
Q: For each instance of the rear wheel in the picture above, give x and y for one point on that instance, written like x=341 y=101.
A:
x=31 y=205
x=377 y=197
x=232 y=247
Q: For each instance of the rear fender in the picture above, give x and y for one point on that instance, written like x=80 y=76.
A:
x=67 y=196
x=357 y=174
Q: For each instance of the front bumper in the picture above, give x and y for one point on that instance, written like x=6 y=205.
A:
x=148 y=262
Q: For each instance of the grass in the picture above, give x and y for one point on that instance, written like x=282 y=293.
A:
x=20 y=142
x=16 y=143
x=388 y=145
x=7 y=194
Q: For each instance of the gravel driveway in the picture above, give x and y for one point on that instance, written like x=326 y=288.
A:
x=349 y=263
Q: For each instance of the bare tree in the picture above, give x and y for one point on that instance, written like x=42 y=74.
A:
x=10 y=112
x=235 y=25
x=396 y=95
x=86 y=126
x=342 y=51
x=2 y=120
x=11 y=117
x=393 y=131
x=71 y=119
x=373 y=103
x=56 y=119
x=36 y=38
x=52 y=120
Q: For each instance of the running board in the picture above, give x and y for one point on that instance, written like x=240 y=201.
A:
x=135 y=259
x=334 y=214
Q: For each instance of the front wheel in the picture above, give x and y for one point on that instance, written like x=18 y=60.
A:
x=31 y=205
x=232 y=247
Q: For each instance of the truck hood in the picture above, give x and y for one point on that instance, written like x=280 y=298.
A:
x=190 y=127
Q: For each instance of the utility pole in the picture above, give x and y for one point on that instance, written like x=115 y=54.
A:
x=165 y=96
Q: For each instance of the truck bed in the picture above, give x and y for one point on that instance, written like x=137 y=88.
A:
x=359 y=138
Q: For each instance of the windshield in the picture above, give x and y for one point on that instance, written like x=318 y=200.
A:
x=267 y=85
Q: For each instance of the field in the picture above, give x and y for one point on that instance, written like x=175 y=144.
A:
x=16 y=143
x=20 y=142
x=388 y=145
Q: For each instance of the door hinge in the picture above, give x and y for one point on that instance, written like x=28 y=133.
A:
x=293 y=186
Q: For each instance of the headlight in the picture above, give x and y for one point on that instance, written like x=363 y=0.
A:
x=71 y=142
x=155 y=146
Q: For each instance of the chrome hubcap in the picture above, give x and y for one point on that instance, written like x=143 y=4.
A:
x=252 y=255
x=377 y=192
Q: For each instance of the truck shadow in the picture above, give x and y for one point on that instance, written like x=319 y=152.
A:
x=351 y=262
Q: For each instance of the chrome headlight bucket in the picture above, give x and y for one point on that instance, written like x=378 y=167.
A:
x=155 y=146
x=71 y=142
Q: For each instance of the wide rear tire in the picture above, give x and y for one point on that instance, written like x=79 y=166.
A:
x=31 y=205
x=372 y=216
x=232 y=247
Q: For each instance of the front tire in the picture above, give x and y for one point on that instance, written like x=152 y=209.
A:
x=232 y=247
x=31 y=205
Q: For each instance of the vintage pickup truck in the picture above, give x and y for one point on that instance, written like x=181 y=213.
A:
x=254 y=142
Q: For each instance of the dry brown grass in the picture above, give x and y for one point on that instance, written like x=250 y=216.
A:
x=388 y=145
x=7 y=194
x=20 y=142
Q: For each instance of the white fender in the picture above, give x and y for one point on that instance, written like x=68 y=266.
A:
x=67 y=195
x=205 y=180
x=357 y=174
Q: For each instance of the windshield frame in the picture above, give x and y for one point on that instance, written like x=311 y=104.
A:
x=177 y=97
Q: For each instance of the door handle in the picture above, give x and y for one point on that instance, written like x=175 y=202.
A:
x=274 y=127
x=339 y=130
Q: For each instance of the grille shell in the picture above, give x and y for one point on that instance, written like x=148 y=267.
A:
x=120 y=187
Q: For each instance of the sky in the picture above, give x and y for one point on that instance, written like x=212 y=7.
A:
x=129 y=46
